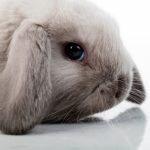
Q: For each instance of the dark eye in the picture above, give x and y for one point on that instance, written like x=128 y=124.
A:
x=74 y=51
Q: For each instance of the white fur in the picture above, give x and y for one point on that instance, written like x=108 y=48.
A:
x=39 y=82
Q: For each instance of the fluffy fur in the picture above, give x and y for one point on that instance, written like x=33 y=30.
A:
x=39 y=84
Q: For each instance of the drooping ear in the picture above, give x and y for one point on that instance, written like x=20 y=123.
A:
x=25 y=84
x=137 y=94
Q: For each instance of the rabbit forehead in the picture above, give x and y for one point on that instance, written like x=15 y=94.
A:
x=84 y=27
x=95 y=30
x=74 y=22
x=101 y=40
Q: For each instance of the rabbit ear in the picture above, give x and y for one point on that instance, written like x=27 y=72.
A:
x=25 y=82
x=137 y=93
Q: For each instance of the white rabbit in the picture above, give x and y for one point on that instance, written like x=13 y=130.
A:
x=60 y=61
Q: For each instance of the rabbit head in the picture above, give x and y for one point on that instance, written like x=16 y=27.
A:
x=91 y=71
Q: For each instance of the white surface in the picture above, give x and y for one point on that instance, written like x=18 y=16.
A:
x=125 y=132
x=128 y=130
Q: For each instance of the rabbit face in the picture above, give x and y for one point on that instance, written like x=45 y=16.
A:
x=95 y=73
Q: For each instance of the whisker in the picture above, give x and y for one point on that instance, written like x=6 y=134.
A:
x=68 y=113
x=64 y=108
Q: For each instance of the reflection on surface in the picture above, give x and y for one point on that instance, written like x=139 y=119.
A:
x=124 y=132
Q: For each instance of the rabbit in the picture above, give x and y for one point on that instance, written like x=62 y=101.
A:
x=61 y=61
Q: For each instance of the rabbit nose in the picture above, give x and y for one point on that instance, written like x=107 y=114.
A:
x=114 y=89
x=110 y=89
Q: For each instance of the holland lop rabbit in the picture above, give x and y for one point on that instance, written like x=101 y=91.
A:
x=60 y=61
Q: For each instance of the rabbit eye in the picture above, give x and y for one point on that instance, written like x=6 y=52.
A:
x=74 y=51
